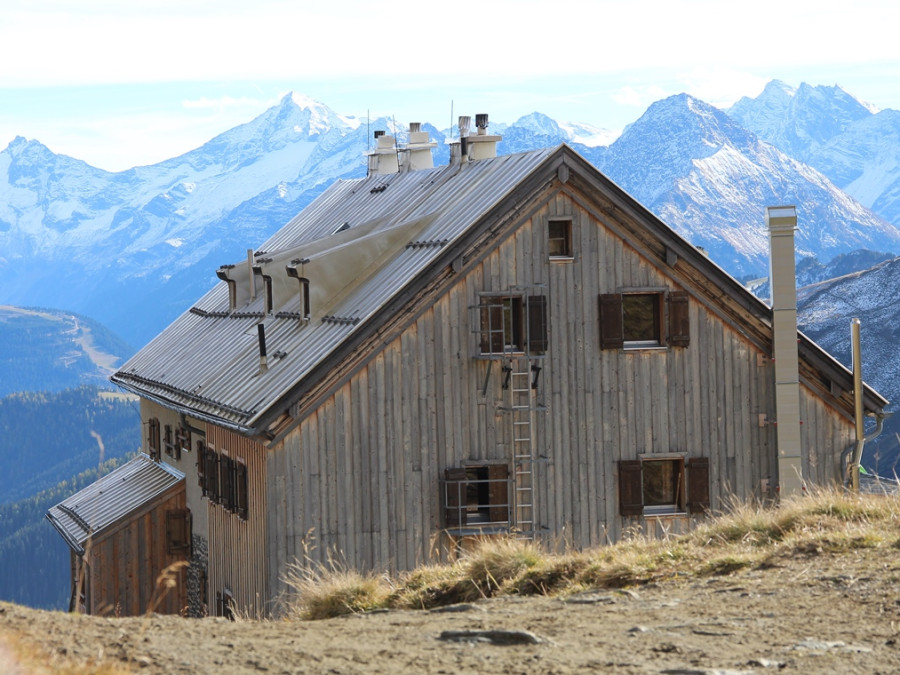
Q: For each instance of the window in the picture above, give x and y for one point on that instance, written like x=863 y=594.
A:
x=641 y=319
x=223 y=480
x=636 y=320
x=476 y=496
x=662 y=486
x=178 y=531
x=153 y=444
x=559 y=238
x=513 y=324
x=182 y=441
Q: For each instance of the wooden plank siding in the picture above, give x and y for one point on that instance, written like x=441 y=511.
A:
x=237 y=547
x=359 y=478
x=124 y=566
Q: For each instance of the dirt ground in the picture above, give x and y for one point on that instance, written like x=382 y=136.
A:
x=812 y=613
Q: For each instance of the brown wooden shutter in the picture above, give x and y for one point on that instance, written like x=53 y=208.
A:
x=679 y=319
x=498 y=493
x=698 y=484
x=178 y=531
x=612 y=334
x=201 y=466
x=226 y=479
x=167 y=439
x=455 y=494
x=537 y=323
x=631 y=488
x=153 y=442
x=241 y=490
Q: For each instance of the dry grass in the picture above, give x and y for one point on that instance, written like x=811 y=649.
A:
x=747 y=536
x=19 y=654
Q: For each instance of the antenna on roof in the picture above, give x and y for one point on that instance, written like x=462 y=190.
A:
x=451 y=119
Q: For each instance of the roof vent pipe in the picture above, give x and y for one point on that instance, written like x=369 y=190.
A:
x=481 y=123
x=782 y=223
x=464 y=123
x=250 y=274
x=263 y=362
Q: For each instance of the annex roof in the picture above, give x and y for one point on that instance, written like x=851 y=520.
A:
x=92 y=511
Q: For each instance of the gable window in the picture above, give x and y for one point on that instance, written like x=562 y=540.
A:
x=665 y=485
x=513 y=324
x=644 y=319
x=559 y=238
x=154 y=447
x=476 y=496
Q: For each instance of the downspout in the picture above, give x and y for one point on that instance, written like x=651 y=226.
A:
x=857 y=404
x=844 y=467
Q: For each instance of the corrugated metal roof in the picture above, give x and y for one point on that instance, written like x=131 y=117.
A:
x=207 y=361
x=110 y=499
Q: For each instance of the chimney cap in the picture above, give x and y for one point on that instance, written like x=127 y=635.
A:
x=378 y=133
x=781 y=217
x=415 y=127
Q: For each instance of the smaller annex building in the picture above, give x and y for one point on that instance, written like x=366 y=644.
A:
x=505 y=345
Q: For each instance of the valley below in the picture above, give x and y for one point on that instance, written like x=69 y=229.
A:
x=803 y=611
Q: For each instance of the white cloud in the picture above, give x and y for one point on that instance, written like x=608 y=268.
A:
x=639 y=96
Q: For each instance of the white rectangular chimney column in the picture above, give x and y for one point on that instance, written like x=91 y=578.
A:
x=782 y=223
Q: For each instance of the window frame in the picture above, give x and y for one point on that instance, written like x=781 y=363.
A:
x=528 y=323
x=489 y=485
x=692 y=490
x=672 y=318
x=630 y=339
x=507 y=305
x=565 y=237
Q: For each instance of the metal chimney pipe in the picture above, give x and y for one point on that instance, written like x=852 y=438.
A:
x=464 y=122
x=263 y=361
x=782 y=223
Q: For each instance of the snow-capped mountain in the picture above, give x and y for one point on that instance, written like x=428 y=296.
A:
x=856 y=146
x=134 y=249
x=825 y=311
x=710 y=179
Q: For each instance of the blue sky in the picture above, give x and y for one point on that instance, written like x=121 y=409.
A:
x=120 y=84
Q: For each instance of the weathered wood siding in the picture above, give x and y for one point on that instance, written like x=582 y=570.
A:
x=358 y=479
x=237 y=546
x=124 y=567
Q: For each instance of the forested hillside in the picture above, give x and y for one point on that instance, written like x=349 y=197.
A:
x=34 y=559
x=50 y=350
x=48 y=437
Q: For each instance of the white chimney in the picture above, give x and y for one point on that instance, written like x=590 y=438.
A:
x=383 y=159
x=782 y=222
x=417 y=153
x=475 y=146
x=481 y=145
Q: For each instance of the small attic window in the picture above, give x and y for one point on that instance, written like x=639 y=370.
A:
x=559 y=239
